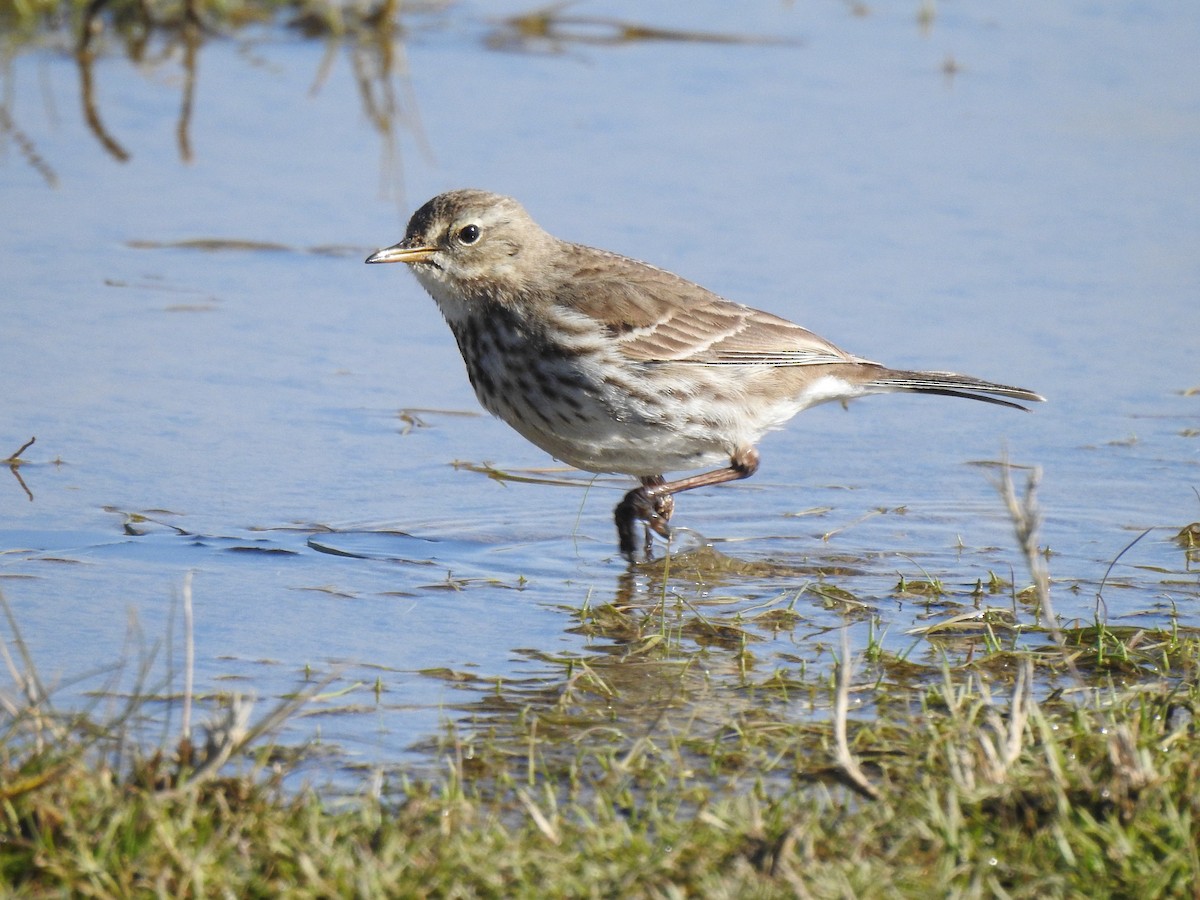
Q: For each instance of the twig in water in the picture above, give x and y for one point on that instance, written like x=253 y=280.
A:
x=15 y=460
x=14 y=464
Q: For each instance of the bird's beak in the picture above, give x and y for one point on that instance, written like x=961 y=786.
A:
x=401 y=253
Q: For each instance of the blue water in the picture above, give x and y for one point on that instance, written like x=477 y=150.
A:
x=1031 y=217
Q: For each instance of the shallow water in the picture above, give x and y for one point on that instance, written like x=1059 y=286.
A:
x=1010 y=192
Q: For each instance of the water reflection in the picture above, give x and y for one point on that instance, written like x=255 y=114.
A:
x=371 y=42
x=183 y=36
x=14 y=462
x=27 y=148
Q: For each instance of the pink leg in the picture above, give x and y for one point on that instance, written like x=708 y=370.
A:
x=654 y=501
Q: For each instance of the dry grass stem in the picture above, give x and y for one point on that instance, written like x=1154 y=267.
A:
x=844 y=758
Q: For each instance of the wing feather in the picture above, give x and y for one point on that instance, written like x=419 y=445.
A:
x=657 y=316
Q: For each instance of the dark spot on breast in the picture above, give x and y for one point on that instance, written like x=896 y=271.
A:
x=481 y=380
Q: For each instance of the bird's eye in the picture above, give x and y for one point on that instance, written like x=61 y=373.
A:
x=468 y=234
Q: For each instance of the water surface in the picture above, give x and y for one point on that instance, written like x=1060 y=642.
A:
x=1005 y=191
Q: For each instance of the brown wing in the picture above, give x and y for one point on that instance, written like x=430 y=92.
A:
x=657 y=316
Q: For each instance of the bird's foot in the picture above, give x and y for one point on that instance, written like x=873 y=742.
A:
x=653 y=510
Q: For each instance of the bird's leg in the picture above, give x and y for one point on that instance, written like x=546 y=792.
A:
x=654 y=501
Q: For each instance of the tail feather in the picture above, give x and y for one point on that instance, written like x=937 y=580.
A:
x=950 y=384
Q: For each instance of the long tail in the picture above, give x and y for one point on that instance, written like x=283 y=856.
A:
x=950 y=384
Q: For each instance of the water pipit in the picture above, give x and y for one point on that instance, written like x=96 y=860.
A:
x=613 y=365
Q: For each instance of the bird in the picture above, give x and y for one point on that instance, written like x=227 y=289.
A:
x=613 y=365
